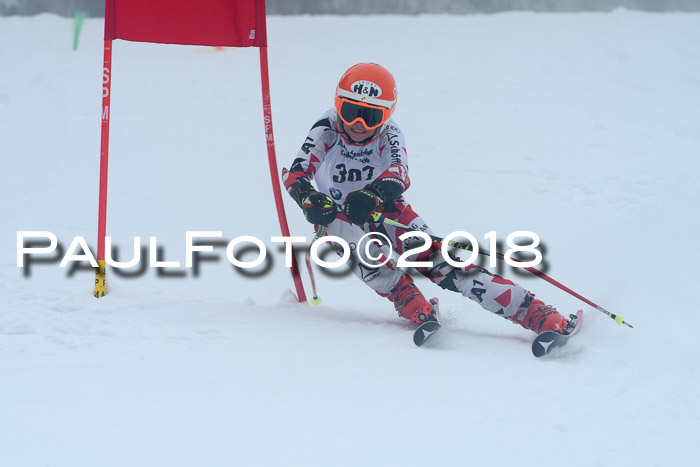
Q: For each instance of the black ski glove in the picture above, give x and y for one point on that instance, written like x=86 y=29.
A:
x=360 y=204
x=319 y=208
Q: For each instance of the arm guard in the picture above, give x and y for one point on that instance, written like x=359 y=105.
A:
x=298 y=185
x=386 y=190
x=390 y=184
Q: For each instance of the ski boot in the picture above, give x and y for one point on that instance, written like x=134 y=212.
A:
x=541 y=318
x=410 y=303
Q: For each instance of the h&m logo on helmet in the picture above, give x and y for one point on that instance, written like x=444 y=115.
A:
x=366 y=88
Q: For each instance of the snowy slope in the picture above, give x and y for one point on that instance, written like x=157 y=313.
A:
x=583 y=128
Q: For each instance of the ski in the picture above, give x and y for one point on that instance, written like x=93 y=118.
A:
x=548 y=340
x=425 y=330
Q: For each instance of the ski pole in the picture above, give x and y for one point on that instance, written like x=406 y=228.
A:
x=315 y=299
x=463 y=246
x=620 y=320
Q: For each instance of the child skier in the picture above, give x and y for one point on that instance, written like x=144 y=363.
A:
x=357 y=156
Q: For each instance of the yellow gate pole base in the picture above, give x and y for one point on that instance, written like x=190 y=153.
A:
x=100 y=279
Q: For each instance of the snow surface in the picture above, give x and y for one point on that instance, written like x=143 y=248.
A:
x=584 y=128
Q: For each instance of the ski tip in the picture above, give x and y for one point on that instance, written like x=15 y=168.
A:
x=547 y=341
x=428 y=328
x=424 y=331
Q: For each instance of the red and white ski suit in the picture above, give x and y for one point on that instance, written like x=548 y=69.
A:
x=339 y=166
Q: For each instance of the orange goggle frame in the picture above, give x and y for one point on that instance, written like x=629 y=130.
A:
x=371 y=116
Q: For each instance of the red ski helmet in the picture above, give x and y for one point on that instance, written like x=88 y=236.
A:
x=366 y=93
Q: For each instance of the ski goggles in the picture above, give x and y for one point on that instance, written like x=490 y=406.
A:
x=371 y=116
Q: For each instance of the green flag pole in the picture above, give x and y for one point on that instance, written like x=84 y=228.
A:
x=78 y=25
